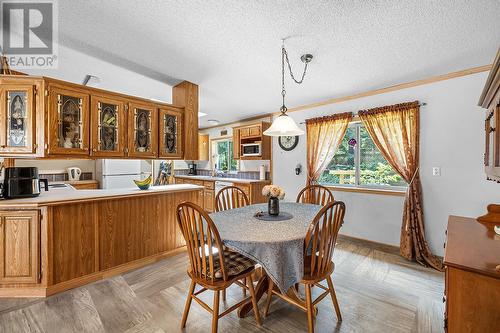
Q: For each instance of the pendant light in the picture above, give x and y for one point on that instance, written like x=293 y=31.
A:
x=284 y=125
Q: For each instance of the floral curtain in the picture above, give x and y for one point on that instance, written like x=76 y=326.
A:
x=324 y=136
x=395 y=131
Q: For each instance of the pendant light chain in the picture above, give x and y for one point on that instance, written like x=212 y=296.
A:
x=284 y=57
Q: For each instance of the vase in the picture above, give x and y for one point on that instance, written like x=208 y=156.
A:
x=273 y=206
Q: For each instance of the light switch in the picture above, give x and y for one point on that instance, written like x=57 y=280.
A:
x=436 y=171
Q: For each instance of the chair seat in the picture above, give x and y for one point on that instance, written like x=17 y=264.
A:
x=235 y=264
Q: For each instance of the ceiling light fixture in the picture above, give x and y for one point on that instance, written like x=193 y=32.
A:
x=213 y=122
x=284 y=125
x=201 y=114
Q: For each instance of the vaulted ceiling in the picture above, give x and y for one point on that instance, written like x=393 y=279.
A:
x=232 y=48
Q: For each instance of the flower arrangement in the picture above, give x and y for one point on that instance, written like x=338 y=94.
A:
x=273 y=191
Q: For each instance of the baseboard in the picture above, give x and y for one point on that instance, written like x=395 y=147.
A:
x=392 y=249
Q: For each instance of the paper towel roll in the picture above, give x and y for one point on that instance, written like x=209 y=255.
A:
x=262 y=171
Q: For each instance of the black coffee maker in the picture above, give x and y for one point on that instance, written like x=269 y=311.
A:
x=192 y=168
x=22 y=182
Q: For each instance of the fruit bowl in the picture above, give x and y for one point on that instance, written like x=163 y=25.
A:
x=143 y=184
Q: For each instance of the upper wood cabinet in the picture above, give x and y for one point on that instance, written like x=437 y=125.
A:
x=19 y=247
x=42 y=117
x=171 y=124
x=17 y=118
x=142 y=130
x=68 y=121
x=250 y=134
x=108 y=130
x=490 y=100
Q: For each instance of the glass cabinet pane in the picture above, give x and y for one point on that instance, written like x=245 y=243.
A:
x=69 y=110
x=142 y=130
x=108 y=127
x=170 y=130
x=17 y=119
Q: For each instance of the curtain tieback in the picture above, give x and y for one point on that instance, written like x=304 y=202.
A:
x=413 y=177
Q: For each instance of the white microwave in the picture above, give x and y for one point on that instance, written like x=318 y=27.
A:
x=251 y=149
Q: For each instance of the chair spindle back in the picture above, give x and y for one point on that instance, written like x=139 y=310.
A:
x=230 y=197
x=321 y=237
x=203 y=241
x=315 y=194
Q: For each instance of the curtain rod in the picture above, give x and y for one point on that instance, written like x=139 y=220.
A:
x=356 y=114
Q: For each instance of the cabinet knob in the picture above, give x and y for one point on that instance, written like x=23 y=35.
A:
x=94 y=150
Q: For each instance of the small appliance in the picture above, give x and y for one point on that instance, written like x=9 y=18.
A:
x=251 y=149
x=22 y=182
x=74 y=173
x=192 y=169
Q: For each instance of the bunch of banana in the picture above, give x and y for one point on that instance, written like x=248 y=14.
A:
x=144 y=184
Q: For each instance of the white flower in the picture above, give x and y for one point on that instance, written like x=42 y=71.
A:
x=265 y=190
x=275 y=191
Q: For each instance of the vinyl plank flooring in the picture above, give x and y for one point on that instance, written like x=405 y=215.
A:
x=377 y=292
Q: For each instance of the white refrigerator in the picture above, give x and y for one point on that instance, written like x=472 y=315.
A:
x=113 y=174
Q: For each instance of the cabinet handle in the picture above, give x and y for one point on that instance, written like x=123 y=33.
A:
x=94 y=150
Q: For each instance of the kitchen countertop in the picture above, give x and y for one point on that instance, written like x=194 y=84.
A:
x=73 y=182
x=225 y=179
x=58 y=196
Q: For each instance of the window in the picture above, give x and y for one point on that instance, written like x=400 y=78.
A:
x=359 y=163
x=222 y=156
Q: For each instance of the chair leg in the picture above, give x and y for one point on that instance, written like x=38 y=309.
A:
x=334 y=298
x=224 y=295
x=188 y=304
x=215 y=312
x=310 y=309
x=269 y=296
x=254 y=300
x=243 y=289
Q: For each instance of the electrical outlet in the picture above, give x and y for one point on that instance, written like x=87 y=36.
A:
x=436 y=171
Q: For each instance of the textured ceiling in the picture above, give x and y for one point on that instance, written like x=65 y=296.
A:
x=232 y=48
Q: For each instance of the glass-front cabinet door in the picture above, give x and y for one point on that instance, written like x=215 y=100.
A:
x=68 y=122
x=108 y=127
x=142 y=130
x=170 y=132
x=17 y=119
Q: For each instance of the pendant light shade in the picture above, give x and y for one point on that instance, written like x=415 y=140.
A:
x=283 y=125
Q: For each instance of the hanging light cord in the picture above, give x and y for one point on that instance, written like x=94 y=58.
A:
x=284 y=57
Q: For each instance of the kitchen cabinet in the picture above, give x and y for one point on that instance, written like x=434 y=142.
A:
x=68 y=121
x=252 y=134
x=203 y=147
x=17 y=118
x=19 y=247
x=108 y=127
x=142 y=130
x=208 y=199
x=171 y=123
x=490 y=100
x=41 y=117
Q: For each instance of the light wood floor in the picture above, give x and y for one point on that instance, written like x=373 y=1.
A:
x=377 y=292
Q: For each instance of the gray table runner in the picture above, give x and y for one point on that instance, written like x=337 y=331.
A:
x=276 y=245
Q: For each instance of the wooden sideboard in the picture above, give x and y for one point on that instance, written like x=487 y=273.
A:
x=472 y=285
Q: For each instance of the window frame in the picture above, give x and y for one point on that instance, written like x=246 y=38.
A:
x=357 y=124
x=214 y=142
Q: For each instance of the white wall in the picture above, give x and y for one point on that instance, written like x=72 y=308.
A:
x=452 y=137
x=73 y=67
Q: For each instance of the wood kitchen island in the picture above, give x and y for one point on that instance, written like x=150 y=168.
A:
x=66 y=238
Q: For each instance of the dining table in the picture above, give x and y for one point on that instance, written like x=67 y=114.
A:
x=276 y=243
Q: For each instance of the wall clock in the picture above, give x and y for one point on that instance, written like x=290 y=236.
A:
x=288 y=142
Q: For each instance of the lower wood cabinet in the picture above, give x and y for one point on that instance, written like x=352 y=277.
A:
x=19 y=247
x=209 y=197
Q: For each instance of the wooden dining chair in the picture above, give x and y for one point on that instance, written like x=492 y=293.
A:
x=230 y=197
x=315 y=194
x=212 y=266
x=318 y=264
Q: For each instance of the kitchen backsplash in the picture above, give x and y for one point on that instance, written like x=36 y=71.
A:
x=60 y=177
x=239 y=174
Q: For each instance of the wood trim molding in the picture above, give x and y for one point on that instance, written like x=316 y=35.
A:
x=432 y=79
x=397 y=193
